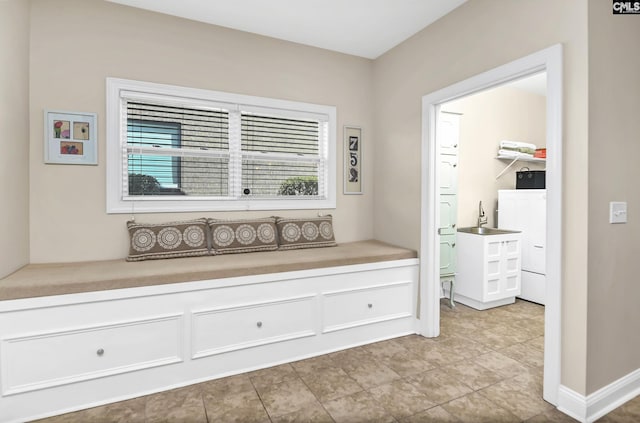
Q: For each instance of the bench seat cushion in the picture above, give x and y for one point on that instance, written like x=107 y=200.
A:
x=37 y=280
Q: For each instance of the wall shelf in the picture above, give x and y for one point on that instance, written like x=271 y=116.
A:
x=513 y=160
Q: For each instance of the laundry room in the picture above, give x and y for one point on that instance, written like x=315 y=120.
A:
x=492 y=195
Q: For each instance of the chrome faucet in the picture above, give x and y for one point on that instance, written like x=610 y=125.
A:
x=482 y=218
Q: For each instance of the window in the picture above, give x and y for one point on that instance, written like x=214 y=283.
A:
x=180 y=149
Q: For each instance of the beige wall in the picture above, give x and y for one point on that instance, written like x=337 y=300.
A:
x=478 y=36
x=69 y=64
x=614 y=143
x=14 y=127
x=98 y=39
x=502 y=113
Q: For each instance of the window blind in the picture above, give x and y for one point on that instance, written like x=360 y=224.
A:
x=176 y=150
x=280 y=156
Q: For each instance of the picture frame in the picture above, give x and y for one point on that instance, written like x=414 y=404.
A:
x=70 y=138
x=353 y=160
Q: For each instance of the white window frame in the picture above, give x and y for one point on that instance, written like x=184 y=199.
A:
x=116 y=171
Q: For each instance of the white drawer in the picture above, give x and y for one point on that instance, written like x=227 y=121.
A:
x=43 y=360
x=356 y=307
x=225 y=329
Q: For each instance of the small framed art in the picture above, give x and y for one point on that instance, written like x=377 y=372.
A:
x=352 y=160
x=70 y=138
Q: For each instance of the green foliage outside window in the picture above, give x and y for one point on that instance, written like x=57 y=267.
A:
x=299 y=185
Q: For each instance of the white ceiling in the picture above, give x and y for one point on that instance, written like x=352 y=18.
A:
x=365 y=28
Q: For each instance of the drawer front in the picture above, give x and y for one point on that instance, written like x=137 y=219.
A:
x=221 y=330
x=56 y=358
x=356 y=307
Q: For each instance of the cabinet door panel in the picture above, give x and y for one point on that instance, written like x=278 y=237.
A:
x=448 y=254
x=448 y=175
x=448 y=132
x=448 y=214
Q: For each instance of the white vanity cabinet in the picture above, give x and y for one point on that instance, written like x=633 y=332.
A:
x=488 y=269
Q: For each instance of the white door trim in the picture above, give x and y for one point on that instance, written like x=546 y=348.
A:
x=549 y=60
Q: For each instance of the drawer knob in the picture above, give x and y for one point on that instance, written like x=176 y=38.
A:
x=259 y=324
x=100 y=352
x=370 y=305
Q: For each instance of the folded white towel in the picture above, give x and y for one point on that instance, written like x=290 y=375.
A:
x=516 y=144
x=513 y=154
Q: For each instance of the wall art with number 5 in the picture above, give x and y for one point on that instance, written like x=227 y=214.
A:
x=352 y=160
x=70 y=138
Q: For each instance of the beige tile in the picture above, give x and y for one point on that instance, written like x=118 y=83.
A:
x=500 y=364
x=438 y=386
x=438 y=356
x=286 y=397
x=385 y=349
x=272 y=375
x=494 y=339
x=523 y=403
x=432 y=415
x=537 y=342
x=369 y=373
x=530 y=380
x=330 y=383
x=472 y=374
x=351 y=355
x=238 y=407
x=311 y=413
x=407 y=363
x=226 y=386
x=177 y=405
x=529 y=309
x=120 y=412
x=359 y=407
x=311 y=365
x=401 y=398
x=415 y=342
x=525 y=354
x=553 y=415
x=476 y=408
x=463 y=348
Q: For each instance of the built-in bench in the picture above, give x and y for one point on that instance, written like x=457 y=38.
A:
x=77 y=335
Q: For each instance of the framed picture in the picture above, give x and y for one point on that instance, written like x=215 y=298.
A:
x=352 y=160
x=70 y=138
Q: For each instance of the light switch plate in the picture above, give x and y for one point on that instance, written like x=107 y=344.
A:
x=618 y=212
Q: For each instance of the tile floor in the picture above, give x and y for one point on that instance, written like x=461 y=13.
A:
x=485 y=367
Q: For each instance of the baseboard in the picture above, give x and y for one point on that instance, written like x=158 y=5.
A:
x=590 y=408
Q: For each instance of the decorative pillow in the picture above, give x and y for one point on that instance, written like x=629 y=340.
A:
x=305 y=233
x=243 y=235
x=167 y=240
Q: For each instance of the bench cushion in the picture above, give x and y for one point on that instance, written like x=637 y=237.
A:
x=38 y=280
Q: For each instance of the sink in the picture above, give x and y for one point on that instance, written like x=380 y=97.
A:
x=478 y=230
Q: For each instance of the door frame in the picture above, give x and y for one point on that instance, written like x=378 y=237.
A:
x=549 y=60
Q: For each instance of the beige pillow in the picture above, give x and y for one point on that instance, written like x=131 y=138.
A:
x=243 y=235
x=167 y=240
x=305 y=233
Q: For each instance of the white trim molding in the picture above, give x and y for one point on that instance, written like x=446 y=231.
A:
x=590 y=408
x=548 y=60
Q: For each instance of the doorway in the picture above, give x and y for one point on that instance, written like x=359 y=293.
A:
x=549 y=61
